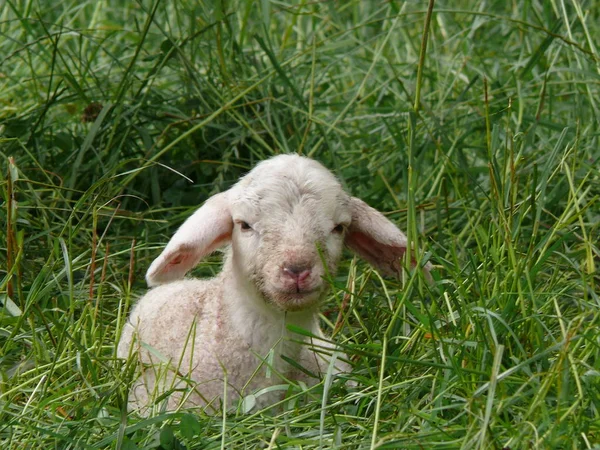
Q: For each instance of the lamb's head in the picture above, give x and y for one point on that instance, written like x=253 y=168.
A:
x=287 y=221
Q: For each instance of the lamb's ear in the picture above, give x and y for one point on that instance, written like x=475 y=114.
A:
x=376 y=239
x=202 y=233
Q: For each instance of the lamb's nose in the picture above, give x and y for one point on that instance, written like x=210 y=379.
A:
x=298 y=272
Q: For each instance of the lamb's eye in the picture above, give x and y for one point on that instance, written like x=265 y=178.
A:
x=245 y=226
x=338 y=229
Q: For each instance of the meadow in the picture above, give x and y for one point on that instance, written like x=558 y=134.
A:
x=473 y=124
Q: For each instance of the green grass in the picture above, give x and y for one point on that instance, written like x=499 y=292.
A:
x=485 y=148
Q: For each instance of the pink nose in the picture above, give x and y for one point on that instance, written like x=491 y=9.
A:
x=299 y=273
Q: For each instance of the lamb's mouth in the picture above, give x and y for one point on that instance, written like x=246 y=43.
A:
x=295 y=300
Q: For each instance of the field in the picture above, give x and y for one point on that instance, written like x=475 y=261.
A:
x=474 y=126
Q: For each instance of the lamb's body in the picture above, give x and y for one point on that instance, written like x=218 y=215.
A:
x=213 y=334
x=286 y=222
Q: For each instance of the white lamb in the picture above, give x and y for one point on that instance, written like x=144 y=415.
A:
x=286 y=223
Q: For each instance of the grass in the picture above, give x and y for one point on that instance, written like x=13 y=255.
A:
x=116 y=120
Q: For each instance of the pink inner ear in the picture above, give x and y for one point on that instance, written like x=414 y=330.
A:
x=178 y=259
x=385 y=257
x=187 y=259
x=360 y=243
x=370 y=248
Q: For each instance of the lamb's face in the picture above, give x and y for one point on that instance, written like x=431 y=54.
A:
x=286 y=221
x=290 y=216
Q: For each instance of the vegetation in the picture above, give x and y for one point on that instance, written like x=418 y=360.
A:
x=118 y=118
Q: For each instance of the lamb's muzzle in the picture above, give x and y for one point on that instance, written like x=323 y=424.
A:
x=285 y=224
x=297 y=274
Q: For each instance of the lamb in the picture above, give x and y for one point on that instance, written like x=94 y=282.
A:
x=209 y=342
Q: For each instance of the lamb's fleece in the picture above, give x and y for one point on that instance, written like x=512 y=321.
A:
x=203 y=342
